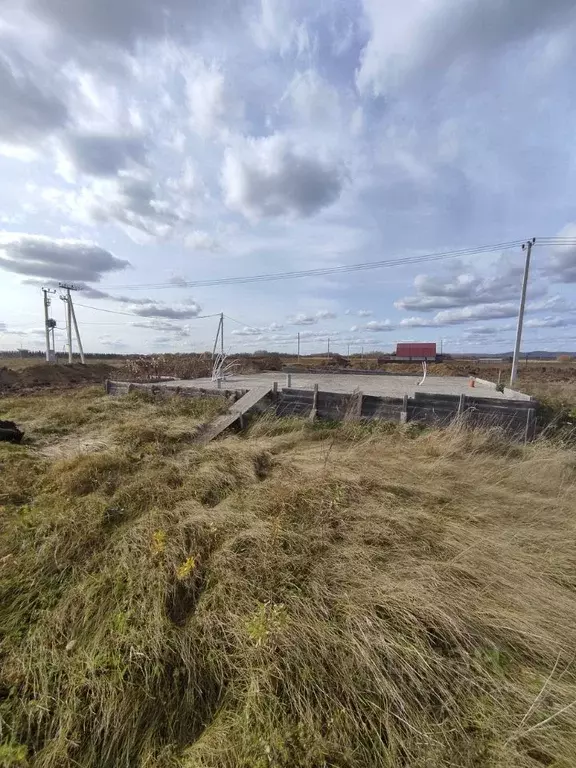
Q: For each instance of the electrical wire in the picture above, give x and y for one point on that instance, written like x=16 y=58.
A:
x=108 y=311
x=115 y=325
x=244 y=325
x=142 y=317
x=323 y=271
x=556 y=241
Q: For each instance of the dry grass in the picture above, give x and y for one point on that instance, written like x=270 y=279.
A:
x=20 y=363
x=87 y=416
x=560 y=394
x=308 y=595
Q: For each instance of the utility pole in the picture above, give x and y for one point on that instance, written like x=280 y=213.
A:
x=528 y=248
x=46 y=318
x=222 y=334
x=219 y=335
x=298 y=346
x=48 y=324
x=77 y=333
x=328 y=349
x=71 y=318
x=348 y=355
x=68 y=327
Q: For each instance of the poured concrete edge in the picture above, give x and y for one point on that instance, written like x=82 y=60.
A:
x=513 y=394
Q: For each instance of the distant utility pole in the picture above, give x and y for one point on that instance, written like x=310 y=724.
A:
x=48 y=325
x=71 y=319
x=298 y=346
x=528 y=248
x=328 y=349
x=348 y=355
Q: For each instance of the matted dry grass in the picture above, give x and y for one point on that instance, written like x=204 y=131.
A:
x=307 y=595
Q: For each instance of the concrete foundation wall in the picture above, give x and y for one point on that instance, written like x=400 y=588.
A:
x=517 y=417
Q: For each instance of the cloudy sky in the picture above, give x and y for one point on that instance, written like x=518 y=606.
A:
x=148 y=144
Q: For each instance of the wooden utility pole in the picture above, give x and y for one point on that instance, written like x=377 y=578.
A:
x=298 y=346
x=528 y=248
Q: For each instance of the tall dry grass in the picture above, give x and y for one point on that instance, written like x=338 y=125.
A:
x=309 y=595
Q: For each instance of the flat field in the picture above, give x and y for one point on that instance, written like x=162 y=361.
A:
x=303 y=594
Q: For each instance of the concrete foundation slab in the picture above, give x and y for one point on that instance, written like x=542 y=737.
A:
x=380 y=386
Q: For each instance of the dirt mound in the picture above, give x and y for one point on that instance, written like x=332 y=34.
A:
x=8 y=378
x=44 y=375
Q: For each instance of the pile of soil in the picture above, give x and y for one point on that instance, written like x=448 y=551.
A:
x=8 y=378
x=53 y=375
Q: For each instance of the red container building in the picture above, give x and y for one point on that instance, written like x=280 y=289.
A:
x=416 y=351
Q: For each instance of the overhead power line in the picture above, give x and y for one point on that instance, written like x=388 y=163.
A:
x=143 y=317
x=108 y=311
x=239 y=322
x=560 y=241
x=323 y=271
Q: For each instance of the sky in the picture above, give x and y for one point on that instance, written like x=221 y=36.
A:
x=148 y=144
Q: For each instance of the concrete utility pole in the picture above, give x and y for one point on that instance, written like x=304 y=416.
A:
x=222 y=334
x=71 y=318
x=528 y=248
x=47 y=323
x=219 y=335
x=68 y=326
x=77 y=333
